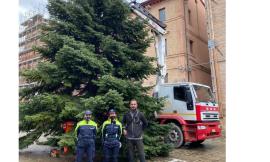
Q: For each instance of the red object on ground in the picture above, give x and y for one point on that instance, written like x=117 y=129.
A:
x=55 y=153
x=65 y=149
x=67 y=126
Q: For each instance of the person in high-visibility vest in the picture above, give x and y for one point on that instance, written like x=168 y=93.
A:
x=86 y=131
x=111 y=134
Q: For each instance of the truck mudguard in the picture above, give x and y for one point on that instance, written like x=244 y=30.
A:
x=168 y=117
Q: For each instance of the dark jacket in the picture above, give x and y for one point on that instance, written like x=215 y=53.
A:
x=134 y=124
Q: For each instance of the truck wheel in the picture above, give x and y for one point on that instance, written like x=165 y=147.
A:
x=175 y=136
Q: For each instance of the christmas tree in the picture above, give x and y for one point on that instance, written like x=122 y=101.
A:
x=93 y=58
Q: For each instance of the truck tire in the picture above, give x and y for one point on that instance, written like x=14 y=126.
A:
x=175 y=136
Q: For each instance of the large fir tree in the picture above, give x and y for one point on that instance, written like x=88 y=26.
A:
x=93 y=58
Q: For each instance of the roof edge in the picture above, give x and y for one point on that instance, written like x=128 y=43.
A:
x=150 y=2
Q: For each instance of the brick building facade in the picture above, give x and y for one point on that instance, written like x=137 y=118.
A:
x=29 y=37
x=187 y=57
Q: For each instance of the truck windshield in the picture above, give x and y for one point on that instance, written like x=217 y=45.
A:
x=204 y=94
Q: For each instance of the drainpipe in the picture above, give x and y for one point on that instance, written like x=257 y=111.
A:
x=197 y=14
x=185 y=4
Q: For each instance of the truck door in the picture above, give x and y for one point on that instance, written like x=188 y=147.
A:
x=183 y=102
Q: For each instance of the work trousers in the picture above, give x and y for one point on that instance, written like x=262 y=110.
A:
x=131 y=144
x=111 y=153
x=85 y=146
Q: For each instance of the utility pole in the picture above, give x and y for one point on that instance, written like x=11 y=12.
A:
x=211 y=47
x=215 y=14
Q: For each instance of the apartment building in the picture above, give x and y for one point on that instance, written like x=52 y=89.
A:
x=187 y=57
x=29 y=37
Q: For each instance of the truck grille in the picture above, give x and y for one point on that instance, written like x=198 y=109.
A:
x=209 y=116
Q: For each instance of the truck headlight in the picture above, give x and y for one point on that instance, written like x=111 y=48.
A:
x=201 y=127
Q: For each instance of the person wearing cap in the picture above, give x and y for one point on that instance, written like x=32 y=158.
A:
x=85 y=132
x=111 y=134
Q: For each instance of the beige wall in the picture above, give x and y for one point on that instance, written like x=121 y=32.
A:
x=176 y=59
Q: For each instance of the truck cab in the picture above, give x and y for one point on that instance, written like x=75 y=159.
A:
x=192 y=111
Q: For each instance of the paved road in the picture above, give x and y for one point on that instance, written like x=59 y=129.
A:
x=212 y=150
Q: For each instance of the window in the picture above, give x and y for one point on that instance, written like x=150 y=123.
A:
x=162 y=16
x=179 y=93
x=204 y=94
x=191 y=46
x=189 y=17
x=166 y=50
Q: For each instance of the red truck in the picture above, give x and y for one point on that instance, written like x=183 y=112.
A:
x=191 y=110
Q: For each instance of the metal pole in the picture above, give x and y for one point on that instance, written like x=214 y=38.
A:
x=211 y=47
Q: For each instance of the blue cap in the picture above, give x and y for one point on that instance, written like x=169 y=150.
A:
x=88 y=112
x=112 y=111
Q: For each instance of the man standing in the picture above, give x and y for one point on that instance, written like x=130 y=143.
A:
x=86 y=131
x=111 y=134
x=134 y=123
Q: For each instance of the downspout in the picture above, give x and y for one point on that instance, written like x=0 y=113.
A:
x=197 y=14
x=185 y=3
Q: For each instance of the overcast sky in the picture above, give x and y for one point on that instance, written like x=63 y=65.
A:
x=27 y=6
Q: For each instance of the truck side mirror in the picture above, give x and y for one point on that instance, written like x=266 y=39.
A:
x=189 y=99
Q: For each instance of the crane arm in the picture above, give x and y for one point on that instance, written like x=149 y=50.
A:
x=153 y=22
x=160 y=30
